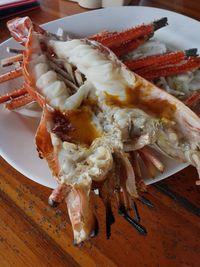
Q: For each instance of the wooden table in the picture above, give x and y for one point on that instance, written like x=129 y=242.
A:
x=33 y=234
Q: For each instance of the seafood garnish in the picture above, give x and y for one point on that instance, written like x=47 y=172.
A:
x=99 y=118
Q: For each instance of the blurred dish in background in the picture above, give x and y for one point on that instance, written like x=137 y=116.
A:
x=101 y=3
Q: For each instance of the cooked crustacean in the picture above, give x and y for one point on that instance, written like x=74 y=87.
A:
x=127 y=97
x=92 y=127
x=175 y=71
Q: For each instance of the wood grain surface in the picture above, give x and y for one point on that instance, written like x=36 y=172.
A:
x=32 y=234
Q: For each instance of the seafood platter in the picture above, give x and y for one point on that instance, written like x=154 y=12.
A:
x=108 y=106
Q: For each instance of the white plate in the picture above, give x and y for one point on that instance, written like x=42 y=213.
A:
x=17 y=145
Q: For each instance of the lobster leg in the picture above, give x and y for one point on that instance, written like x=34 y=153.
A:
x=133 y=33
x=125 y=48
x=17 y=93
x=188 y=65
x=83 y=221
x=58 y=195
x=193 y=102
x=11 y=75
x=148 y=153
x=19 y=102
x=160 y=60
x=11 y=60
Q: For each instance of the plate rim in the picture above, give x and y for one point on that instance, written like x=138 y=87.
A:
x=25 y=172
